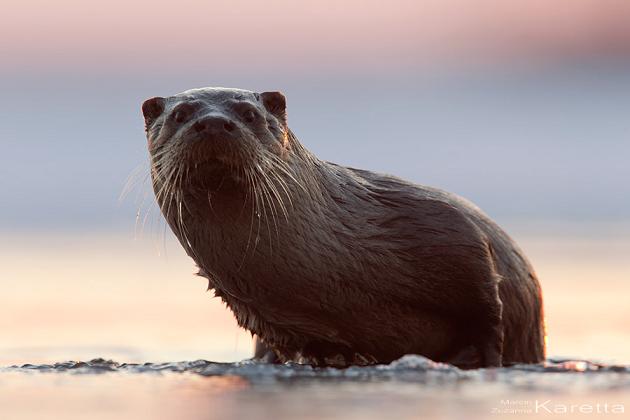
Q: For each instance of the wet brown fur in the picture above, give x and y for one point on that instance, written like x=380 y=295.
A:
x=332 y=265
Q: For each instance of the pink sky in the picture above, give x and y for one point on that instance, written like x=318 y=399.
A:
x=301 y=35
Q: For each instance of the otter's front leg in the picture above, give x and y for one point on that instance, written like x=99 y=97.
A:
x=491 y=349
x=486 y=351
x=264 y=353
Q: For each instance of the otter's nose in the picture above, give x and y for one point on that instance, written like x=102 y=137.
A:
x=214 y=125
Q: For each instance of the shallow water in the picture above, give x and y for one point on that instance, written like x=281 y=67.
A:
x=80 y=296
x=411 y=387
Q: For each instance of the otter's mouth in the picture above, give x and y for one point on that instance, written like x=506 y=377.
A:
x=214 y=174
x=212 y=165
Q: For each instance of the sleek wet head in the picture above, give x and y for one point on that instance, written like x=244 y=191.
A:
x=217 y=127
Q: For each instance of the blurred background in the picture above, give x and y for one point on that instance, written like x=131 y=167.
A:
x=520 y=106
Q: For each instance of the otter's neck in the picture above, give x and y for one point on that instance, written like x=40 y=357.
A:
x=243 y=236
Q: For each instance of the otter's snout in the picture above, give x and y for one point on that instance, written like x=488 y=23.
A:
x=213 y=125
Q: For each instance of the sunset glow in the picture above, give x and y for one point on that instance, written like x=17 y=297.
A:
x=282 y=35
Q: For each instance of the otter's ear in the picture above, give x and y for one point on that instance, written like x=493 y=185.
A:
x=275 y=103
x=152 y=108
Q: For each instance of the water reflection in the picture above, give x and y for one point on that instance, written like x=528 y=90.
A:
x=408 y=388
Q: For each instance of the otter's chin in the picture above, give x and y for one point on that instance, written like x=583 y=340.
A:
x=214 y=175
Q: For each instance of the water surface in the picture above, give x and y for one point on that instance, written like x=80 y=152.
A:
x=411 y=387
x=112 y=297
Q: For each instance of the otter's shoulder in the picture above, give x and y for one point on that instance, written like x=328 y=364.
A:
x=452 y=211
x=398 y=208
x=421 y=204
x=397 y=190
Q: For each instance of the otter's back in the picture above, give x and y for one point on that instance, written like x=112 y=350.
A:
x=519 y=288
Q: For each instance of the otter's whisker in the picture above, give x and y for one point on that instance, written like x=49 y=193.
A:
x=249 y=196
x=285 y=169
x=133 y=180
x=272 y=207
x=263 y=207
x=276 y=192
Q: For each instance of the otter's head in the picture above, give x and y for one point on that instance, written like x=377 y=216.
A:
x=214 y=133
x=223 y=146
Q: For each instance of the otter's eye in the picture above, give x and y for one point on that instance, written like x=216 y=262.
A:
x=249 y=116
x=181 y=116
x=183 y=112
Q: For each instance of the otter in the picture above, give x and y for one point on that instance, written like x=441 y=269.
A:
x=330 y=265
